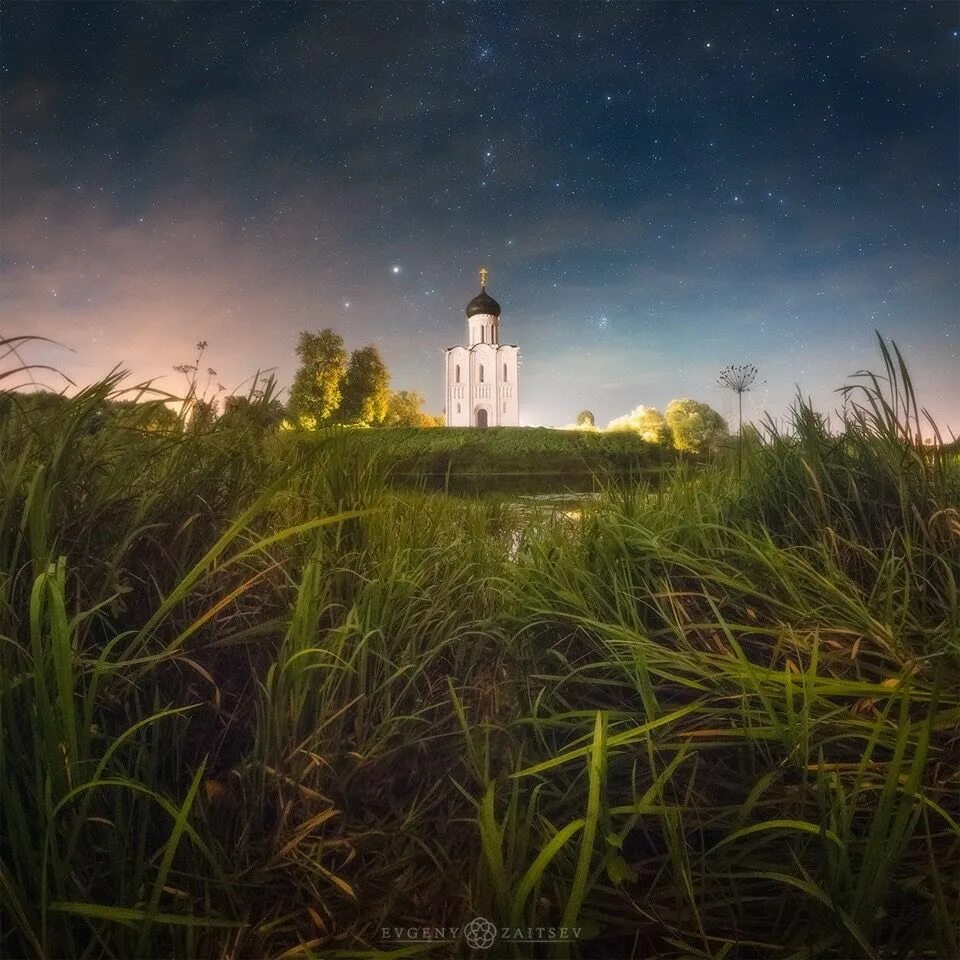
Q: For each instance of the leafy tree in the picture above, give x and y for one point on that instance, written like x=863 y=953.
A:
x=404 y=410
x=161 y=419
x=585 y=418
x=317 y=387
x=259 y=414
x=366 y=388
x=259 y=409
x=151 y=416
x=37 y=403
x=203 y=415
x=696 y=427
x=647 y=421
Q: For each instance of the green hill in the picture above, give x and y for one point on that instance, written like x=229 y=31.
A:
x=509 y=450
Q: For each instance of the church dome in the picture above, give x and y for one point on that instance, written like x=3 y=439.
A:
x=483 y=303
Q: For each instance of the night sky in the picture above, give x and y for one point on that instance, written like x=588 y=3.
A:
x=658 y=190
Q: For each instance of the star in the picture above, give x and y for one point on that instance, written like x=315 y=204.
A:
x=399 y=142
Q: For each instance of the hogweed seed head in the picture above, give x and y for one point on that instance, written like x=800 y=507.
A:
x=738 y=377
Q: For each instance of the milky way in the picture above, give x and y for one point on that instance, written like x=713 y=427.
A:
x=658 y=190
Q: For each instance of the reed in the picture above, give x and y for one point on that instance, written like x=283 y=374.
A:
x=254 y=702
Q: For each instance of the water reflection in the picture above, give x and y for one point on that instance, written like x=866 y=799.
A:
x=534 y=513
x=532 y=501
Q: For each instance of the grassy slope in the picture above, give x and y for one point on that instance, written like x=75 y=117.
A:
x=508 y=450
x=717 y=722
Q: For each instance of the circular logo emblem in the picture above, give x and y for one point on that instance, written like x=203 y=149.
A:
x=480 y=933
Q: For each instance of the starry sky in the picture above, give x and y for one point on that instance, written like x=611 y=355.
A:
x=657 y=189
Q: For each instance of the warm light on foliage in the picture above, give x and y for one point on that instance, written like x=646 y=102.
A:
x=687 y=425
x=696 y=427
x=316 y=392
x=647 y=421
x=366 y=389
x=585 y=418
x=404 y=409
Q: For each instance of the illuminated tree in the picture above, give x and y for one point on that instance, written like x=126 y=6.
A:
x=366 y=389
x=696 y=427
x=647 y=421
x=739 y=378
x=317 y=386
x=585 y=418
x=404 y=410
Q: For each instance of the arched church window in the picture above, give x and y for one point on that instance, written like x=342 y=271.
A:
x=481 y=373
x=483 y=334
x=458 y=373
x=458 y=406
x=504 y=373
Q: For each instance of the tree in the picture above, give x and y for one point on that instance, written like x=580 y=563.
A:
x=585 y=418
x=259 y=409
x=696 y=427
x=151 y=416
x=739 y=378
x=403 y=410
x=203 y=415
x=647 y=421
x=366 y=388
x=161 y=419
x=257 y=414
x=316 y=392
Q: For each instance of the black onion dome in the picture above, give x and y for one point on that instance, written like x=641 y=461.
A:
x=483 y=303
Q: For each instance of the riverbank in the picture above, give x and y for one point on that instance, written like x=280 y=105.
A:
x=256 y=702
x=504 y=451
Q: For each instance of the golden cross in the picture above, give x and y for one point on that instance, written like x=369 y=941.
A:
x=484 y=273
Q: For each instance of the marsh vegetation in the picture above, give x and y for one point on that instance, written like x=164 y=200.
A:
x=255 y=701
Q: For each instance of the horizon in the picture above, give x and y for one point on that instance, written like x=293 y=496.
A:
x=706 y=185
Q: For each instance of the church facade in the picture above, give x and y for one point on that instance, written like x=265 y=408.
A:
x=482 y=384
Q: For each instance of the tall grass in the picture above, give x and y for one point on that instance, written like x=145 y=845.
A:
x=255 y=703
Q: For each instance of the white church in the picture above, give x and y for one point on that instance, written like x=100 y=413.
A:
x=481 y=378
